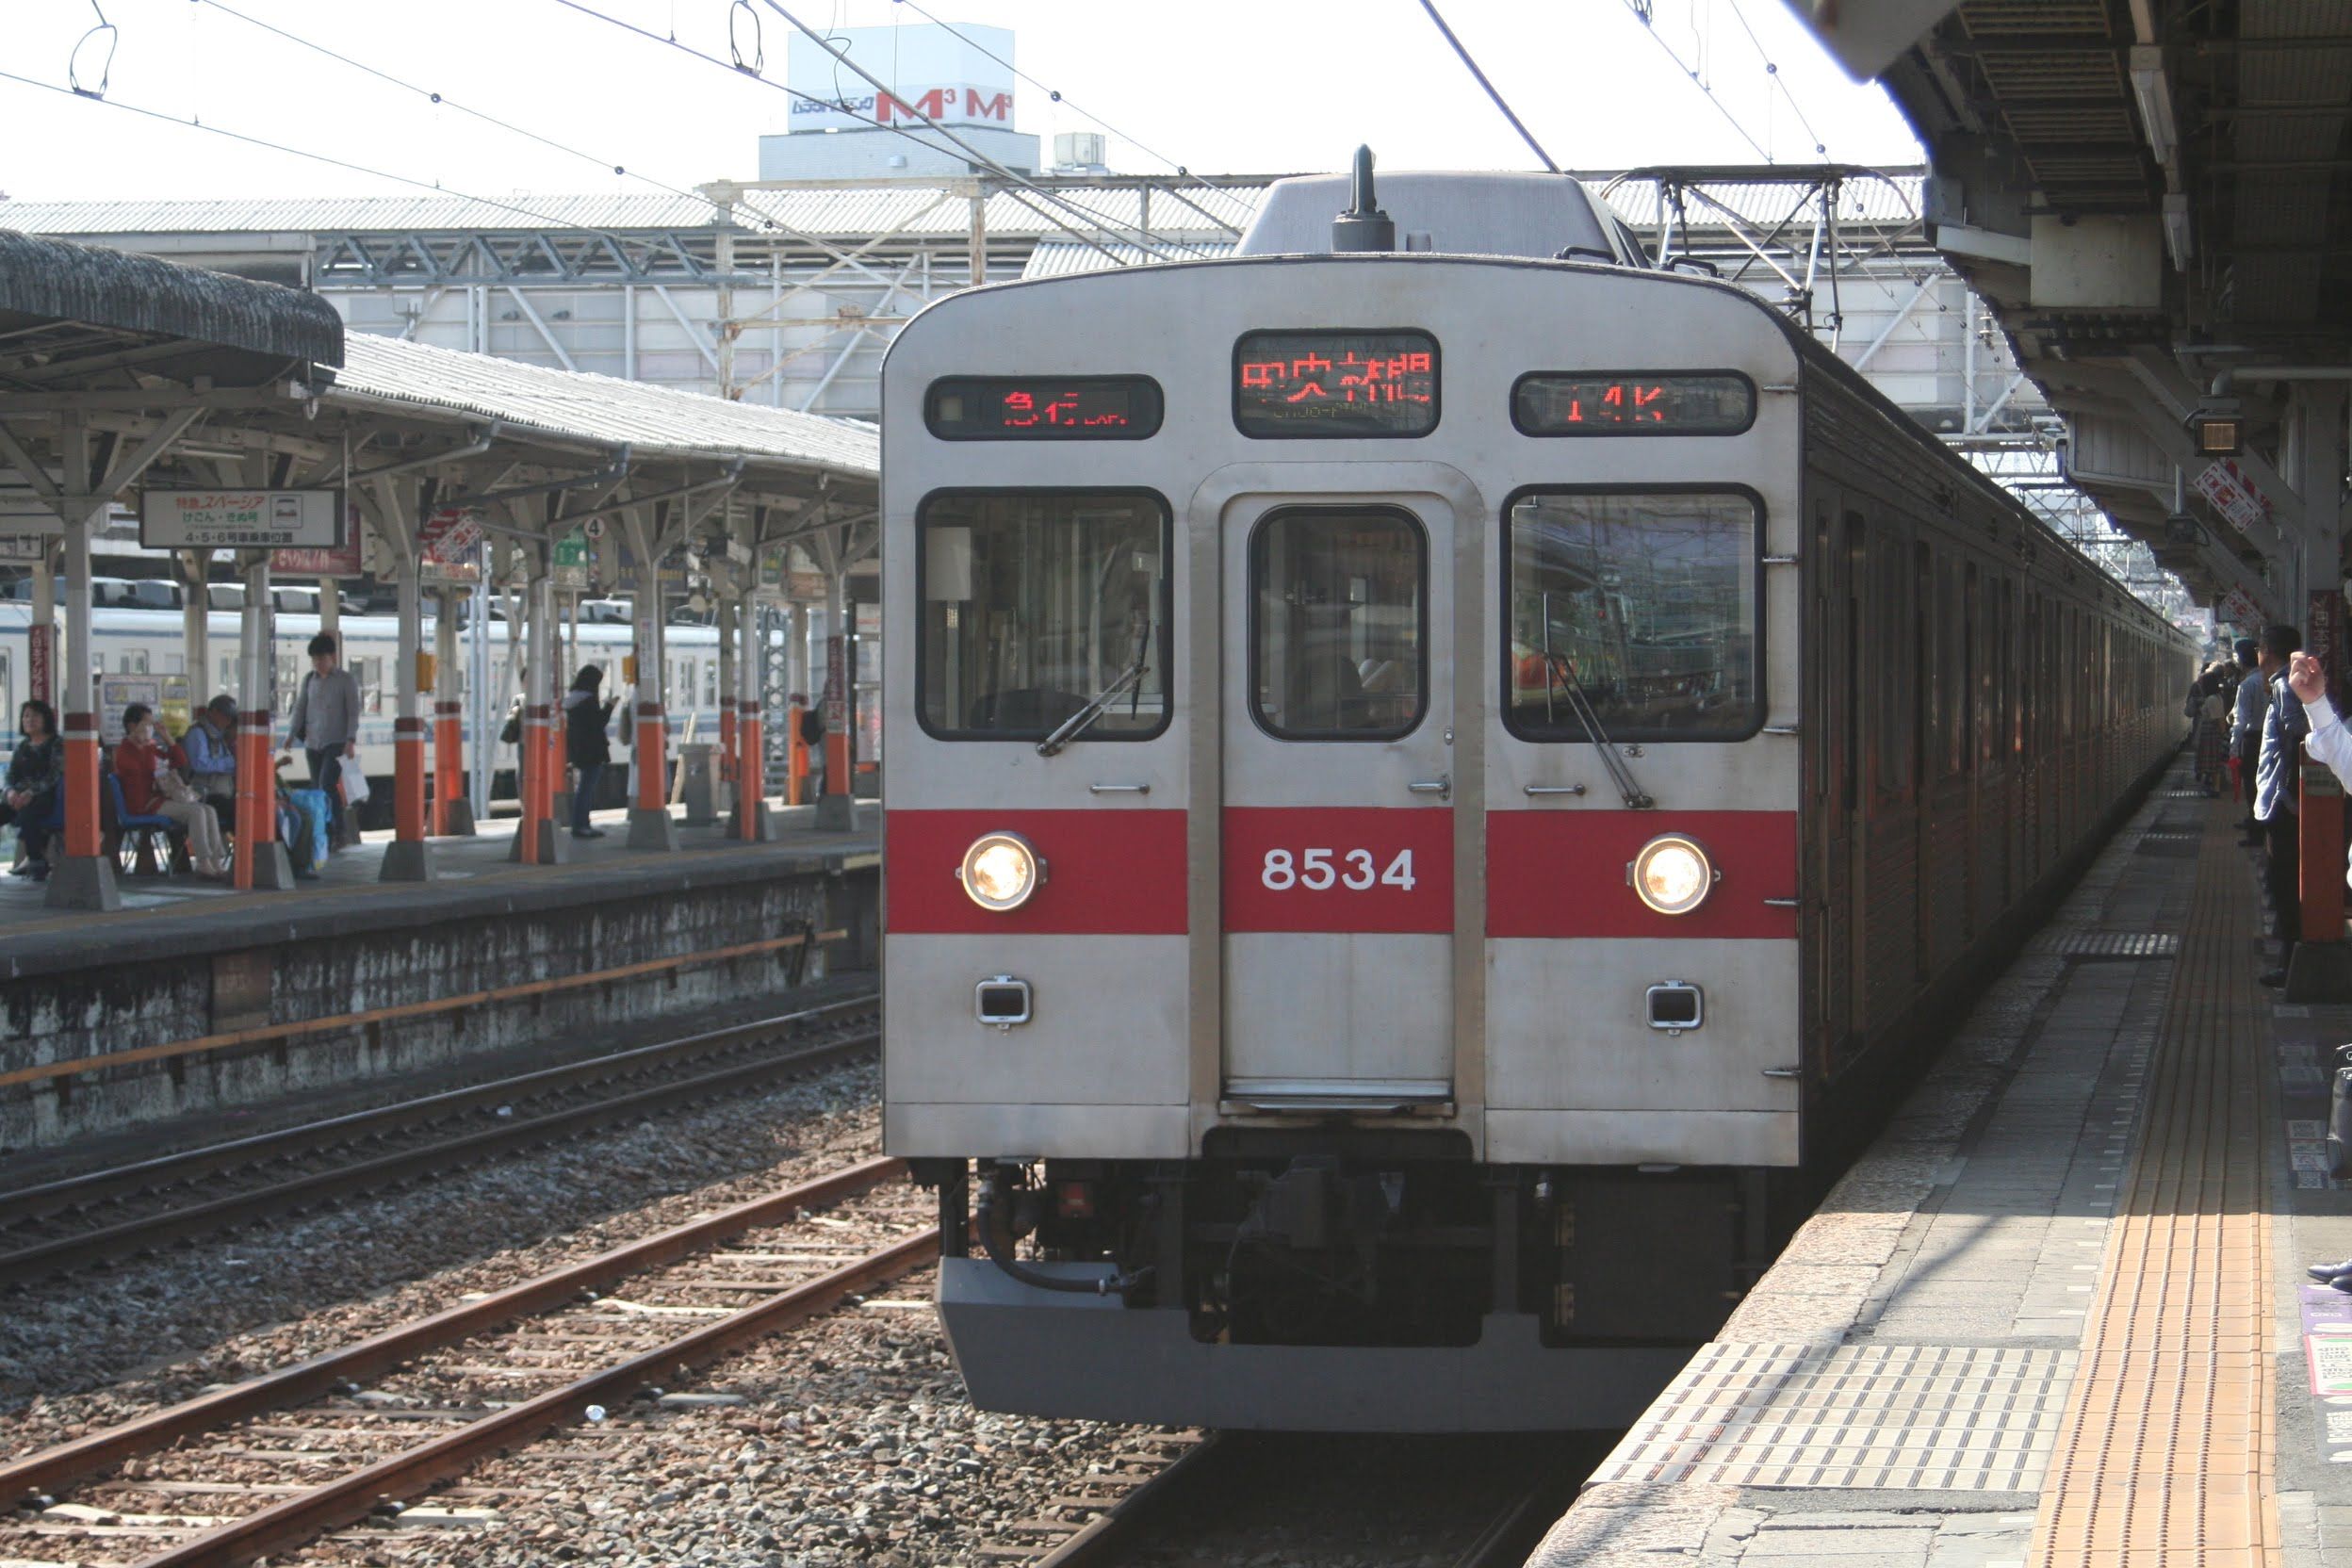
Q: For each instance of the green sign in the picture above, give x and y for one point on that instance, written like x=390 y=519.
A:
x=571 y=562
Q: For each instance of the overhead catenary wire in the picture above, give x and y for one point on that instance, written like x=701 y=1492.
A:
x=1516 y=124
x=443 y=100
x=1141 y=240
x=1641 y=15
x=327 y=159
x=1092 y=219
x=1772 y=69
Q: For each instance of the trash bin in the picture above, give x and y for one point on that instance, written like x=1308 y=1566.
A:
x=702 y=784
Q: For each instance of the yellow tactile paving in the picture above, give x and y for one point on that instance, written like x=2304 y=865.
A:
x=2165 y=1453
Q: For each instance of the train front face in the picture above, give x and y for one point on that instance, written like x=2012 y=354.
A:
x=1319 y=1029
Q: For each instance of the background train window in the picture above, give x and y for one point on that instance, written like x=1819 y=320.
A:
x=1033 y=604
x=1338 y=624
x=1644 y=604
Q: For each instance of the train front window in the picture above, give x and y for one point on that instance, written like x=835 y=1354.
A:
x=1636 y=607
x=1036 y=603
x=1338 y=622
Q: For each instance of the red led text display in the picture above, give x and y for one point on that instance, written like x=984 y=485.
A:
x=1335 y=383
x=1044 y=408
x=1587 y=403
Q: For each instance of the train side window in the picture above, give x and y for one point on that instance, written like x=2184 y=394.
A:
x=1339 y=623
x=1640 y=602
x=1033 y=605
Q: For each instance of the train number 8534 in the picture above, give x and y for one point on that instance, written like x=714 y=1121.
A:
x=1318 y=870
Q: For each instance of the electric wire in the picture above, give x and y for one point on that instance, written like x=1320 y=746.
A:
x=1772 y=69
x=1055 y=95
x=1141 y=240
x=1091 y=220
x=1516 y=124
x=441 y=100
x=1641 y=15
x=327 y=159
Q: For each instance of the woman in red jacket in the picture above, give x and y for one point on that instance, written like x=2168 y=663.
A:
x=151 y=788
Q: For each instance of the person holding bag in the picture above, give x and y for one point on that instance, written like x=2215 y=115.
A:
x=152 y=788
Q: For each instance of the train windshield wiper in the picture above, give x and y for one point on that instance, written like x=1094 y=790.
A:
x=1557 y=668
x=1070 y=727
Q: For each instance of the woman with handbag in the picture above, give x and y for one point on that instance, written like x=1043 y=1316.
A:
x=153 y=787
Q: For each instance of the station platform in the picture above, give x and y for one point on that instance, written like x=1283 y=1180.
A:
x=195 y=1000
x=170 y=915
x=2056 y=1314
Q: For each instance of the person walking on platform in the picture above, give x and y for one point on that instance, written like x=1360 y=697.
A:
x=326 y=726
x=210 y=746
x=587 y=743
x=2284 y=725
x=36 y=768
x=2246 y=732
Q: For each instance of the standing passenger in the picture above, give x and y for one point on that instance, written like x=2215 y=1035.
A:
x=326 y=726
x=2245 y=733
x=2284 y=725
x=586 y=744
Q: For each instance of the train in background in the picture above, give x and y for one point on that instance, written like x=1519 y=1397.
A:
x=1439 y=787
x=151 y=642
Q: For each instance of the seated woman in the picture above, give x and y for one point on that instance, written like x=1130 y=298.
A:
x=151 y=789
x=30 y=795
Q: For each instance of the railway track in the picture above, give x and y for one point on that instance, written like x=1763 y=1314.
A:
x=262 y=1467
x=1188 y=1497
x=65 y=1225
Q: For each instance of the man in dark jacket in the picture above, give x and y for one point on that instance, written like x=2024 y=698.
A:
x=2280 y=761
x=586 y=746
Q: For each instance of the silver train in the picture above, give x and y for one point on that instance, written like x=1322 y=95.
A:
x=1436 y=792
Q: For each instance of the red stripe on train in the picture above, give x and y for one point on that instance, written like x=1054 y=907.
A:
x=1108 y=873
x=1562 y=873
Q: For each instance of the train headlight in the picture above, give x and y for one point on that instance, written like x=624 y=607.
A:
x=1672 y=874
x=1001 y=871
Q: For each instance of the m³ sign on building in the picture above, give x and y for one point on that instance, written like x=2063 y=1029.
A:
x=241 y=519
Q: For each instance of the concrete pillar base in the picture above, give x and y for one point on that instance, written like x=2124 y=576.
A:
x=273 y=869
x=651 y=827
x=82 y=882
x=460 y=820
x=555 y=845
x=2320 y=972
x=406 y=861
x=836 y=814
x=763 y=826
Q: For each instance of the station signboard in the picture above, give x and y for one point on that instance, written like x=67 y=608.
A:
x=320 y=563
x=166 y=694
x=25 y=547
x=242 y=519
x=2234 y=493
x=569 y=562
x=449 y=542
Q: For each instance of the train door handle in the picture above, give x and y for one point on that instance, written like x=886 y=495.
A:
x=1119 y=788
x=1442 y=786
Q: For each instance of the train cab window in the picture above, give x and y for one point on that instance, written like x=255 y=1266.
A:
x=1640 y=606
x=1037 y=606
x=1338 y=622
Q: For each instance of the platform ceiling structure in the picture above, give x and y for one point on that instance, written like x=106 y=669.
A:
x=2152 y=197
x=118 y=370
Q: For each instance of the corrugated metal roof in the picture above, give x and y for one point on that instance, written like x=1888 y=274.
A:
x=44 y=280
x=1059 y=258
x=604 y=410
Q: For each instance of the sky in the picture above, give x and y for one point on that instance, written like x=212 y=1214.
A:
x=1218 y=86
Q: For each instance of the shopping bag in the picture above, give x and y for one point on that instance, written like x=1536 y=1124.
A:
x=355 y=782
x=312 y=803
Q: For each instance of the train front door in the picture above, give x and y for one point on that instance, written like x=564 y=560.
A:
x=1338 y=819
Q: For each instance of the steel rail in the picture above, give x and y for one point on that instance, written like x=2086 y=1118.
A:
x=1100 y=1539
x=148 y=1175
x=351 y=1498
x=101 y=1451
x=66 y=1253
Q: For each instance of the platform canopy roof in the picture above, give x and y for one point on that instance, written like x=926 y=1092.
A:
x=118 y=369
x=2153 y=196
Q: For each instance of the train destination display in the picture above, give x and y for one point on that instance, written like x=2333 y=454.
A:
x=1588 y=403
x=240 y=519
x=1335 y=383
x=1047 y=408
